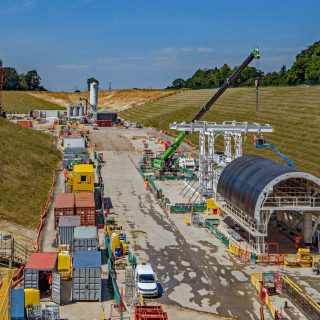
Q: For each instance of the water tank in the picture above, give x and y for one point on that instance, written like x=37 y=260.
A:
x=76 y=111
x=93 y=94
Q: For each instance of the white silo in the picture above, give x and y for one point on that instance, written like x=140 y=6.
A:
x=94 y=95
x=81 y=110
x=76 y=111
x=69 y=111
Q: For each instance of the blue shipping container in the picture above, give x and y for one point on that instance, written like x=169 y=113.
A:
x=17 y=304
x=87 y=259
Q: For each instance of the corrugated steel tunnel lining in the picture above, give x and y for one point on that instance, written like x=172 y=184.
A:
x=246 y=181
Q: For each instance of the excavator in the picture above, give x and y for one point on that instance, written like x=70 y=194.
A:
x=166 y=161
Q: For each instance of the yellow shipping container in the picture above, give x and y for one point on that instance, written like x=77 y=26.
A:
x=31 y=297
x=64 y=262
x=81 y=178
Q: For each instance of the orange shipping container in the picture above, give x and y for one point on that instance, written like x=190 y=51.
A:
x=85 y=208
x=64 y=205
x=25 y=123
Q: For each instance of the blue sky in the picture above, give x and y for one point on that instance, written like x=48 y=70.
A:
x=149 y=43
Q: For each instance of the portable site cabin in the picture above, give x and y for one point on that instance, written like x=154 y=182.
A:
x=81 y=178
x=41 y=273
x=74 y=143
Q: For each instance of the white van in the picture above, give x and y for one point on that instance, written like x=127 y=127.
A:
x=146 y=282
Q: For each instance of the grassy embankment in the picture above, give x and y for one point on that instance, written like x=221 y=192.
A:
x=23 y=101
x=27 y=160
x=293 y=111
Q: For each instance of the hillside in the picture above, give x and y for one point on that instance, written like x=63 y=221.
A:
x=294 y=112
x=23 y=101
x=115 y=99
x=27 y=160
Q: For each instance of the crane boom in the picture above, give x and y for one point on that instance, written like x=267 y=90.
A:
x=158 y=163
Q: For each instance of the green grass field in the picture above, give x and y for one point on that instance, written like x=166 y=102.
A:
x=293 y=111
x=27 y=160
x=22 y=102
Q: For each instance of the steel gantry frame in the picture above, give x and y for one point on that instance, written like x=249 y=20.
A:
x=211 y=163
x=289 y=192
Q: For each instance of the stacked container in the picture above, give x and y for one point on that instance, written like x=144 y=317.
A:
x=85 y=239
x=17 y=304
x=66 y=228
x=85 y=208
x=86 y=283
x=64 y=205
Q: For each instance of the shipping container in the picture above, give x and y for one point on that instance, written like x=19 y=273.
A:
x=40 y=273
x=17 y=304
x=104 y=123
x=75 y=150
x=97 y=197
x=82 y=178
x=74 y=142
x=53 y=113
x=85 y=208
x=85 y=239
x=86 y=283
x=31 y=297
x=66 y=228
x=25 y=123
x=64 y=205
x=107 y=115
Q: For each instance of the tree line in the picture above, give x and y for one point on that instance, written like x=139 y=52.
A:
x=12 y=80
x=305 y=70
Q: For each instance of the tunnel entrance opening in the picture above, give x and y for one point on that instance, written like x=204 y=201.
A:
x=252 y=189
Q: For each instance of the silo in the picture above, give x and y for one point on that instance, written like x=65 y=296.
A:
x=81 y=110
x=69 y=111
x=76 y=111
x=94 y=95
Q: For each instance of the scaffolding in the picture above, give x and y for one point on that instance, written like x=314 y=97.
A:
x=212 y=162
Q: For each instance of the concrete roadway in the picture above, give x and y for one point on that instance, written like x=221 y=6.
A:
x=193 y=267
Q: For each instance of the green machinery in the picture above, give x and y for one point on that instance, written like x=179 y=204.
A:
x=166 y=160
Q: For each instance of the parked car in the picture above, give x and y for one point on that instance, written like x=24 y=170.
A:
x=145 y=280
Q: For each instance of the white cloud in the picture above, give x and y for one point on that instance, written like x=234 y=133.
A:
x=71 y=66
x=14 y=6
x=205 y=50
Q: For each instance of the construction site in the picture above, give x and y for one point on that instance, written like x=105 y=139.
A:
x=139 y=224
